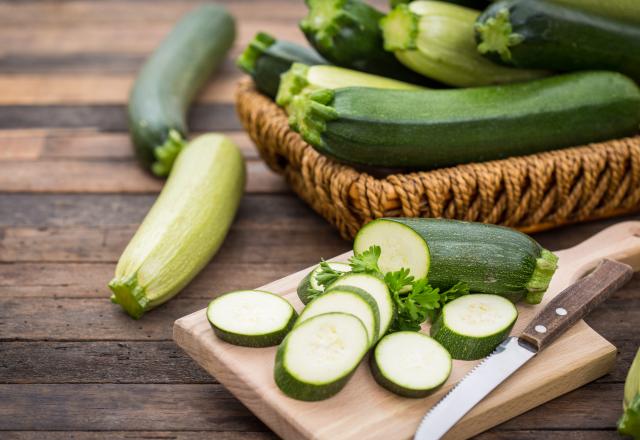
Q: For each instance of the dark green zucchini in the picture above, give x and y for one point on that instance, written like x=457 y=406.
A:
x=170 y=79
x=426 y=129
x=347 y=33
x=266 y=58
x=488 y=258
x=542 y=34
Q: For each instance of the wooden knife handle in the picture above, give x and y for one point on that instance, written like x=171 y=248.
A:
x=575 y=302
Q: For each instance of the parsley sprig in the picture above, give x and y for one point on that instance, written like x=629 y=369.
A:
x=416 y=300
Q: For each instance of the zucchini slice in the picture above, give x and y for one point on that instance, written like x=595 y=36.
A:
x=318 y=357
x=472 y=326
x=252 y=318
x=346 y=299
x=309 y=283
x=401 y=247
x=410 y=364
x=375 y=287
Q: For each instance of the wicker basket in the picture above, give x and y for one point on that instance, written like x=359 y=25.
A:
x=530 y=193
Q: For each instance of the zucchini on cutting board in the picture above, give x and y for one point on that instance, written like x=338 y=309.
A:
x=184 y=228
x=169 y=81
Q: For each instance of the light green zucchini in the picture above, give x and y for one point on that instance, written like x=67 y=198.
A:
x=629 y=423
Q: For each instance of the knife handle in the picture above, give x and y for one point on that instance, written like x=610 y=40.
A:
x=575 y=302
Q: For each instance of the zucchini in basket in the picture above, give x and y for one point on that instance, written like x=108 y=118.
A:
x=347 y=33
x=184 y=228
x=266 y=58
x=169 y=81
x=424 y=129
x=437 y=40
x=542 y=34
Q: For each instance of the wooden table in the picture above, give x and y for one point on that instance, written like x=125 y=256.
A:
x=72 y=365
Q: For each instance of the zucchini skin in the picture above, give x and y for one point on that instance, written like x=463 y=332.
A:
x=542 y=34
x=427 y=129
x=629 y=423
x=347 y=33
x=624 y=10
x=199 y=199
x=170 y=79
x=266 y=58
x=489 y=258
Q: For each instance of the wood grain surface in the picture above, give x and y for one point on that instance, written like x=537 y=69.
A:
x=72 y=366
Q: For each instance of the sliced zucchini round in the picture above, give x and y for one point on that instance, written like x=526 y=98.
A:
x=310 y=283
x=401 y=246
x=318 y=357
x=472 y=326
x=252 y=318
x=375 y=287
x=410 y=364
x=346 y=299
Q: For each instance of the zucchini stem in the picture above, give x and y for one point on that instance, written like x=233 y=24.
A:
x=400 y=29
x=326 y=19
x=309 y=115
x=256 y=48
x=292 y=82
x=546 y=266
x=167 y=153
x=130 y=295
x=496 y=35
x=629 y=423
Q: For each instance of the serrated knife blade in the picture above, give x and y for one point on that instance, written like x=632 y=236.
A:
x=502 y=363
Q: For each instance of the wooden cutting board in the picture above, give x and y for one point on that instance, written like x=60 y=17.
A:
x=363 y=410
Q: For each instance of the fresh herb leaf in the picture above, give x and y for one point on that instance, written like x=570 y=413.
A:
x=367 y=261
x=459 y=289
x=313 y=294
x=398 y=280
x=327 y=275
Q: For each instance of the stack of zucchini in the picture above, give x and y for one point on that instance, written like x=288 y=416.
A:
x=403 y=272
x=448 y=83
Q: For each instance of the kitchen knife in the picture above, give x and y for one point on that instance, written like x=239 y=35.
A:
x=567 y=308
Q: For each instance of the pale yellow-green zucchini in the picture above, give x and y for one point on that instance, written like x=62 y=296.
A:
x=184 y=228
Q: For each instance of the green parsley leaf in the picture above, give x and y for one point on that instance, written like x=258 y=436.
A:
x=327 y=275
x=367 y=261
x=398 y=280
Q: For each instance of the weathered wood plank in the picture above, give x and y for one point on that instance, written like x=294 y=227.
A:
x=211 y=407
x=80 y=176
x=84 y=144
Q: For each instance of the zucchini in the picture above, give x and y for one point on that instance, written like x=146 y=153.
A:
x=625 y=10
x=410 y=364
x=488 y=258
x=375 y=287
x=629 y=423
x=437 y=40
x=309 y=286
x=318 y=357
x=252 y=318
x=475 y=4
x=542 y=34
x=472 y=326
x=304 y=79
x=346 y=299
x=199 y=199
x=346 y=32
x=266 y=58
x=169 y=81
x=425 y=129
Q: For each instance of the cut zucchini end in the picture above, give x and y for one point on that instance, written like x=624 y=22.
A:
x=325 y=20
x=251 y=318
x=129 y=295
x=309 y=114
x=167 y=153
x=629 y=423
x=400 y=29
x=292 y=83
x=254 y=50
x=495 y=34
x=317 y=358
x=402 y=247
x=546 y=265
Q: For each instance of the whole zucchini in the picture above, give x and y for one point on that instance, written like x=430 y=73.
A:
x=545 y=35
x=437 y=40
x=625 y=10
x=184 y=228
x=488 y=258
x=266 y=58
x=347 y=33
x=170 y=79
x=629 y=423
x=435 y=128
